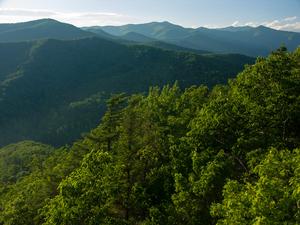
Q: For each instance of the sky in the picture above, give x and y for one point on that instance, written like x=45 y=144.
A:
x=277 y=14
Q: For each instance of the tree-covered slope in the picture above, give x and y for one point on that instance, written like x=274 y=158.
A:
x=25 y=180
x=253 y=41
x=171 y=47
x=19 y=160
x=136 y=37
x=45 y=97
x=12 y=56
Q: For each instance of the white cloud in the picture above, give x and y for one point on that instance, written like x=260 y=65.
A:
x=288 y=24
x=14 y=15
x=212 y=26
x=251 y=24
x=292 y=18
x=273 y=24
x=26 y=13
x=235 y=23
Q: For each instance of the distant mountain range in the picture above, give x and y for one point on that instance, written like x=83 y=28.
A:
x=253 y=41
x=52 y=29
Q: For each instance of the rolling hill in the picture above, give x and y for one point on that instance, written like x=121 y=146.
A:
x=53 y=90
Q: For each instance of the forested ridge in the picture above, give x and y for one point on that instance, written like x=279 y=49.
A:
x=47 y=85
x=227 y=155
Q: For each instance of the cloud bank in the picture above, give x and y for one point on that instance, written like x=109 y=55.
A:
x=289 y=23
x=13 y=15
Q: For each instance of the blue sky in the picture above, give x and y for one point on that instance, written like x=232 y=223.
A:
x=279 y=14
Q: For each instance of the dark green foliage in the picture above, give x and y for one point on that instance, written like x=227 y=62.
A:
x=12 y=56
x=225 y=156
x=18 y=160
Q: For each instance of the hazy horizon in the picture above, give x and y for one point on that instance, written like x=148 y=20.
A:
x=162 y=21
x=279 y=14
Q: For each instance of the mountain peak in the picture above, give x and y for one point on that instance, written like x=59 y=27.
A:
x=40 y=29
x=167 y=23
x=46 y=20
x=163 y=23
x=40 y=21
x=262 y=27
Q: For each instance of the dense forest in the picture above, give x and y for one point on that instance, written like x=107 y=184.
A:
x=226 y=155
x=46 y=86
